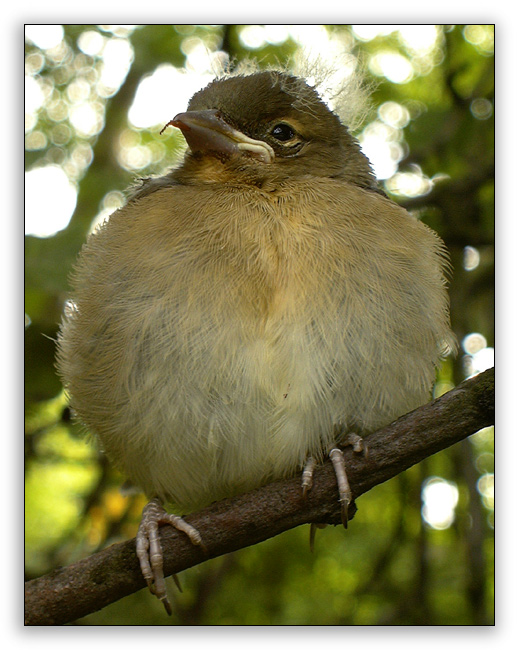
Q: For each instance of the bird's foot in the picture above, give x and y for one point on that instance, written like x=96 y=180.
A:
x=337 y=457
x=343 y=485
x=149 y=550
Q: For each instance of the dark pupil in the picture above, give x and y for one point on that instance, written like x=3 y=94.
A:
x=283 y=132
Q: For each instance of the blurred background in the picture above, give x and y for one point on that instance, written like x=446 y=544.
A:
x=420 y=549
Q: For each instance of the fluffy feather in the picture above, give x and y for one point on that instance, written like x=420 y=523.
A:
x=232 y=314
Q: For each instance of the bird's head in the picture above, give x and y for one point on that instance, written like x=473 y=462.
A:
x=265 y=128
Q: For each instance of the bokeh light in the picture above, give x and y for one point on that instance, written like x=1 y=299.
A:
x=256 y=36
x=117 y=57
x=163 y=94
x=482 y=36
x=471 y=258
x=478 y=357
x=481 y=108
x=391 y=65
x=45 y=36
x=486 y=489
x=50 y=199
x=419 y=39
x=410 y=183
x=474 y=343
x=439 y=498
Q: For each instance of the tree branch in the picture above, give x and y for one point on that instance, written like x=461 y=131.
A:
x=89 y=585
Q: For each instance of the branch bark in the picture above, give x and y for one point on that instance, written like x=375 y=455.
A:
x=89 y=585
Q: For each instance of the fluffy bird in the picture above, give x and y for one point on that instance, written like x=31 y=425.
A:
x=245 y=314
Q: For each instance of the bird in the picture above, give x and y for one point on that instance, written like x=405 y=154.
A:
x=253 y=310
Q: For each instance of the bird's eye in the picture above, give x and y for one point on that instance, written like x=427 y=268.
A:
x=283 y=132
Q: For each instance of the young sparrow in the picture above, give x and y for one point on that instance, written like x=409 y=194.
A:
x=246 y=313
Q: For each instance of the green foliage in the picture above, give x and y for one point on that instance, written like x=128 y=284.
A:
x=390 y=567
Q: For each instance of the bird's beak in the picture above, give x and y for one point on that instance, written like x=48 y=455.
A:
x=208 y=131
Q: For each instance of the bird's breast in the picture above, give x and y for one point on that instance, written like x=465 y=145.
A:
x=222 y=331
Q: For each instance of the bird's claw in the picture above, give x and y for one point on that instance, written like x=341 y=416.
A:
x=307 y=478
x=356 y=442
x=343 y=485
x=359 y=446
x=149 y=550
x=337 y=457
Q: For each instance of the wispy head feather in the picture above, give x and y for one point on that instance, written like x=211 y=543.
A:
x=340 y=82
